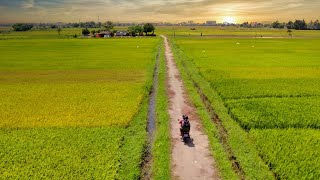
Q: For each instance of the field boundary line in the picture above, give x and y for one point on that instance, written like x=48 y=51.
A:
x=151 y=123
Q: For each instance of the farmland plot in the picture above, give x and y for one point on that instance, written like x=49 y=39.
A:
x=65 y=105
x=267 y=84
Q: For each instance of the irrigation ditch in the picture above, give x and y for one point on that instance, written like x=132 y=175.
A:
x=151 y=123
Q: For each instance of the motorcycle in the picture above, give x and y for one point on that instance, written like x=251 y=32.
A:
x=185 y=136
x=185 y=133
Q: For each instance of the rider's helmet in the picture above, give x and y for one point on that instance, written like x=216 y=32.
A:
x=185 y=117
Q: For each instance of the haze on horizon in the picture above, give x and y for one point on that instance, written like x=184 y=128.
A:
x=12 y=11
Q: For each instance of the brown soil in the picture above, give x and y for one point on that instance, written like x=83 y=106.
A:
x=191 y=160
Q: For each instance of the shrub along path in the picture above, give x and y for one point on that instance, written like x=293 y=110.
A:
x=191 y=160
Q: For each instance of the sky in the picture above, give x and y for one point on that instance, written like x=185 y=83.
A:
x=232 y=11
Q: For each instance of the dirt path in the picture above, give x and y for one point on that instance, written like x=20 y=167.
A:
x=193 y=159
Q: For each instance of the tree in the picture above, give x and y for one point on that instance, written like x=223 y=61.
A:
x=108 y=25
x=300 y=25
x=316 y=25
x=59 y=30
x=85 y=32
x=245 y=24
x=290 y=25
x=134 y=30
x=22 y=27
x=311 y=25
x=277 y=24
x=53 y=26
x=93 y=32
x=75 y=25
x=90 y=24
x=148 y=27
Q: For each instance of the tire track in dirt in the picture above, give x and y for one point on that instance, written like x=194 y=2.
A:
x=191 y=160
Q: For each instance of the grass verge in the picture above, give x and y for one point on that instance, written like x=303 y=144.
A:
x=134 y=143
x=161 y=145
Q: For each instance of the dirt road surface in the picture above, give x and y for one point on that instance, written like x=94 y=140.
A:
x=191 y=160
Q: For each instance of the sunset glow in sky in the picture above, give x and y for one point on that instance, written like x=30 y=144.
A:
x=232 y=11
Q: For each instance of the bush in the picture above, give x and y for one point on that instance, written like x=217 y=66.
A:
x=85 y=32
x=22 y=27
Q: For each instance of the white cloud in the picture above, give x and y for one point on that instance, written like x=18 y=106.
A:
x=27 y=4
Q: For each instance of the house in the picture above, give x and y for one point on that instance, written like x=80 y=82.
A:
x=122 y=33
x=104 y=34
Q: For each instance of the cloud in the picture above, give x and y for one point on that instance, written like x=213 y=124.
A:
x=157 y=10
x=28 y=4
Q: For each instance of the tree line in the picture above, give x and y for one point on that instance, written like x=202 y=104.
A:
x=135 y=30
x=297 y=25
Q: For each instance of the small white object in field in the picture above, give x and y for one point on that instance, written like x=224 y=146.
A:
x=238 y=43
x=138 y=46
x=252 y=46
x=203 y=51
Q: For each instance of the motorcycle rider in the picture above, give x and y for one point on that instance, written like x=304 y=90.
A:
x=184 y=124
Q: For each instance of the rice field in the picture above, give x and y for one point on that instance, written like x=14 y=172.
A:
x=67 y=105
x=270 y=87
x=77 y=108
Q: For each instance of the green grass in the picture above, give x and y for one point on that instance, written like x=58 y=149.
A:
x=74 y=108
x=161 y=147
x=290 y=153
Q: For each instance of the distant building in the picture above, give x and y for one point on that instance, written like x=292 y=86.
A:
x=211 y=23
x=104 y=34
x=190 y=22
x=122 y=33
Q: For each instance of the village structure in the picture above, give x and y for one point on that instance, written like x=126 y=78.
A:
x=109 y=34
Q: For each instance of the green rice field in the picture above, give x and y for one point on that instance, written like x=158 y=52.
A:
x=67 y=105
x=76 y=108
x=270 y=87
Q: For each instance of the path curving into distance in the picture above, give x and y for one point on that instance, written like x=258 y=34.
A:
x=192 y=160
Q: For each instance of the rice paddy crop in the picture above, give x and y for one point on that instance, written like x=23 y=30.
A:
x=67 y=105
x=67 y=153
x=267 y=85
x=269 y=113
x=290 y=153
x=59 y=83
